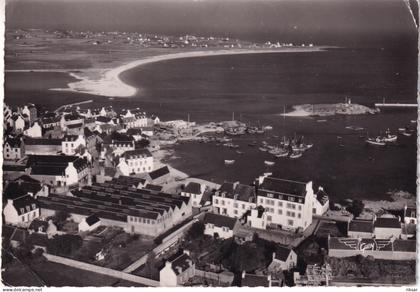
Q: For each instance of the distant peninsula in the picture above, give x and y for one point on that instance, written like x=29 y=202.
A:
x=324 y=110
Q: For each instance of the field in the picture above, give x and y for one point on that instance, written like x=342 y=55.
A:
x=42 y=272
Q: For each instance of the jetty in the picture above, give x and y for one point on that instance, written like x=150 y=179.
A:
x=395 y=105
x=72 y=104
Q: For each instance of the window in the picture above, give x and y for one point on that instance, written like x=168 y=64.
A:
x=300 y=207
x=243 y=206
x=314 y=210
x=299 y=215
x=235 y=212
x=290 y=222
x=270 y=195
x=261 y=200
x=291 y=206
x=210 y=226
x=222 y=202
x=280 y=204
x=280 y=211
x=268 y=218
x=235 y=205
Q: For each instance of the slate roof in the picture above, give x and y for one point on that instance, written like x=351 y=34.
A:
x=25 y=204
x=42 y=141
x=134 y=131
x=137 y=153
x=16 y=190
x=358 y=225
x=114 y=201
x=282 y=253
x=180 y=262
x=242 y=192
x=154 y=188
x=92 y=219
x=250 y=280
x=193 y=188
x=284 y=186
x=128 y=180
x=159 y=173
x=220 y=220
x=14 y=142
x=103 y=119
x=387 y=223
x=74 y=126
x=14 y=168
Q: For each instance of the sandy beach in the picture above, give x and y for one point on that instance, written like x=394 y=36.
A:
x=107 y=82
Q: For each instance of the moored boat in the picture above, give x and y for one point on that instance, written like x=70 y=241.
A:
x=268 y=163
x=296 y=154
x=229 y=161
x=378 y=141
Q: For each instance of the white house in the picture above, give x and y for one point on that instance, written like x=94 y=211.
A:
x=410 y=215
x=321 y=202
x=234 y=199
x=284 y=259
x=89 y=223
x=288 y=203
x=220 y=226
x=257 y=218
x=18 y=123
x=135 y=161
x=178 y=269
x=71 y=142
x=13 y=148
x=252 y=280
x=194 y=191
x=387 y=227
x=35 y=131
x=148 y=131
x=30 y=111
x=21 y=211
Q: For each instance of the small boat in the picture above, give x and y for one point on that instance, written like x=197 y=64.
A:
x=308 y=146
x=282 y=154
x=401 y=129
x=253 y=144
x=413 y=121
x=389 y=137
x=321 y=121
x=295 y=155
x=268 y=127
x=263 y=149
x=378 y=141
x=239 y=152
x=268 y=163
x=259 y=131
x=407 y=133
x=229 y=162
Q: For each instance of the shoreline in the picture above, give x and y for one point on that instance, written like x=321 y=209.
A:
x=326 y=110
x=109 y=84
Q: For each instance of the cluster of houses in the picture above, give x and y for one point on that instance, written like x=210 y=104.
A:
x=96 y=166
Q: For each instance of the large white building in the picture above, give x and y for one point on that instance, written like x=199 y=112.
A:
x=71 y=142
x=35 y=131
x=21 y=211
x=234 y=199
x=136 y=161
x=194 y=191
x=288 y=203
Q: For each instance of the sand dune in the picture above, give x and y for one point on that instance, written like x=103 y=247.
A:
x=107 y=82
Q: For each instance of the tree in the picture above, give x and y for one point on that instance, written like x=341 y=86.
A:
x=61 y=216
x=64 y=244
x=196 y=230
x=356 y=208
x=150 y=266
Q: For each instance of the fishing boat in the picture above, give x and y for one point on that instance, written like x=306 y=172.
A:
x=378 y=141
x=413 y=121
x=268 y=127
x=263 y=149
x=296 y=154
x=401 y=129
x=321 y=121
x=239 y=152
x=229 y=162
x=253 y=144
x=389 y=137
x=282 y=154
x=261 y=131
x=268 y=163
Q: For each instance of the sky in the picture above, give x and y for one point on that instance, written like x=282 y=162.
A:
x=318 y=21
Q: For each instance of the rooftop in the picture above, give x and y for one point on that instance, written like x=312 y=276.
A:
x=359 y=225
x=387 y=223
x=283 y=186
x=193 y=188
x=220 y=220
x=160 y=172
x=238 y=191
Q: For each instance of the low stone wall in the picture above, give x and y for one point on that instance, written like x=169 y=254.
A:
x=384 y=255
x=101 y=270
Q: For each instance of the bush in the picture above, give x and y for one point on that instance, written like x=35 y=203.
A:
x=196 y=230
x=356 y=208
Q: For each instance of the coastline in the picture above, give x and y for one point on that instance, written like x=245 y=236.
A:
x=325 y=110
x=107 y=82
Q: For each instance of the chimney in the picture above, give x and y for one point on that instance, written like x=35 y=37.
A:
x=10 y=201
x=243 y=274
x=187 y=252
x=168 y=264
x=320 y=189
x=274 y=255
